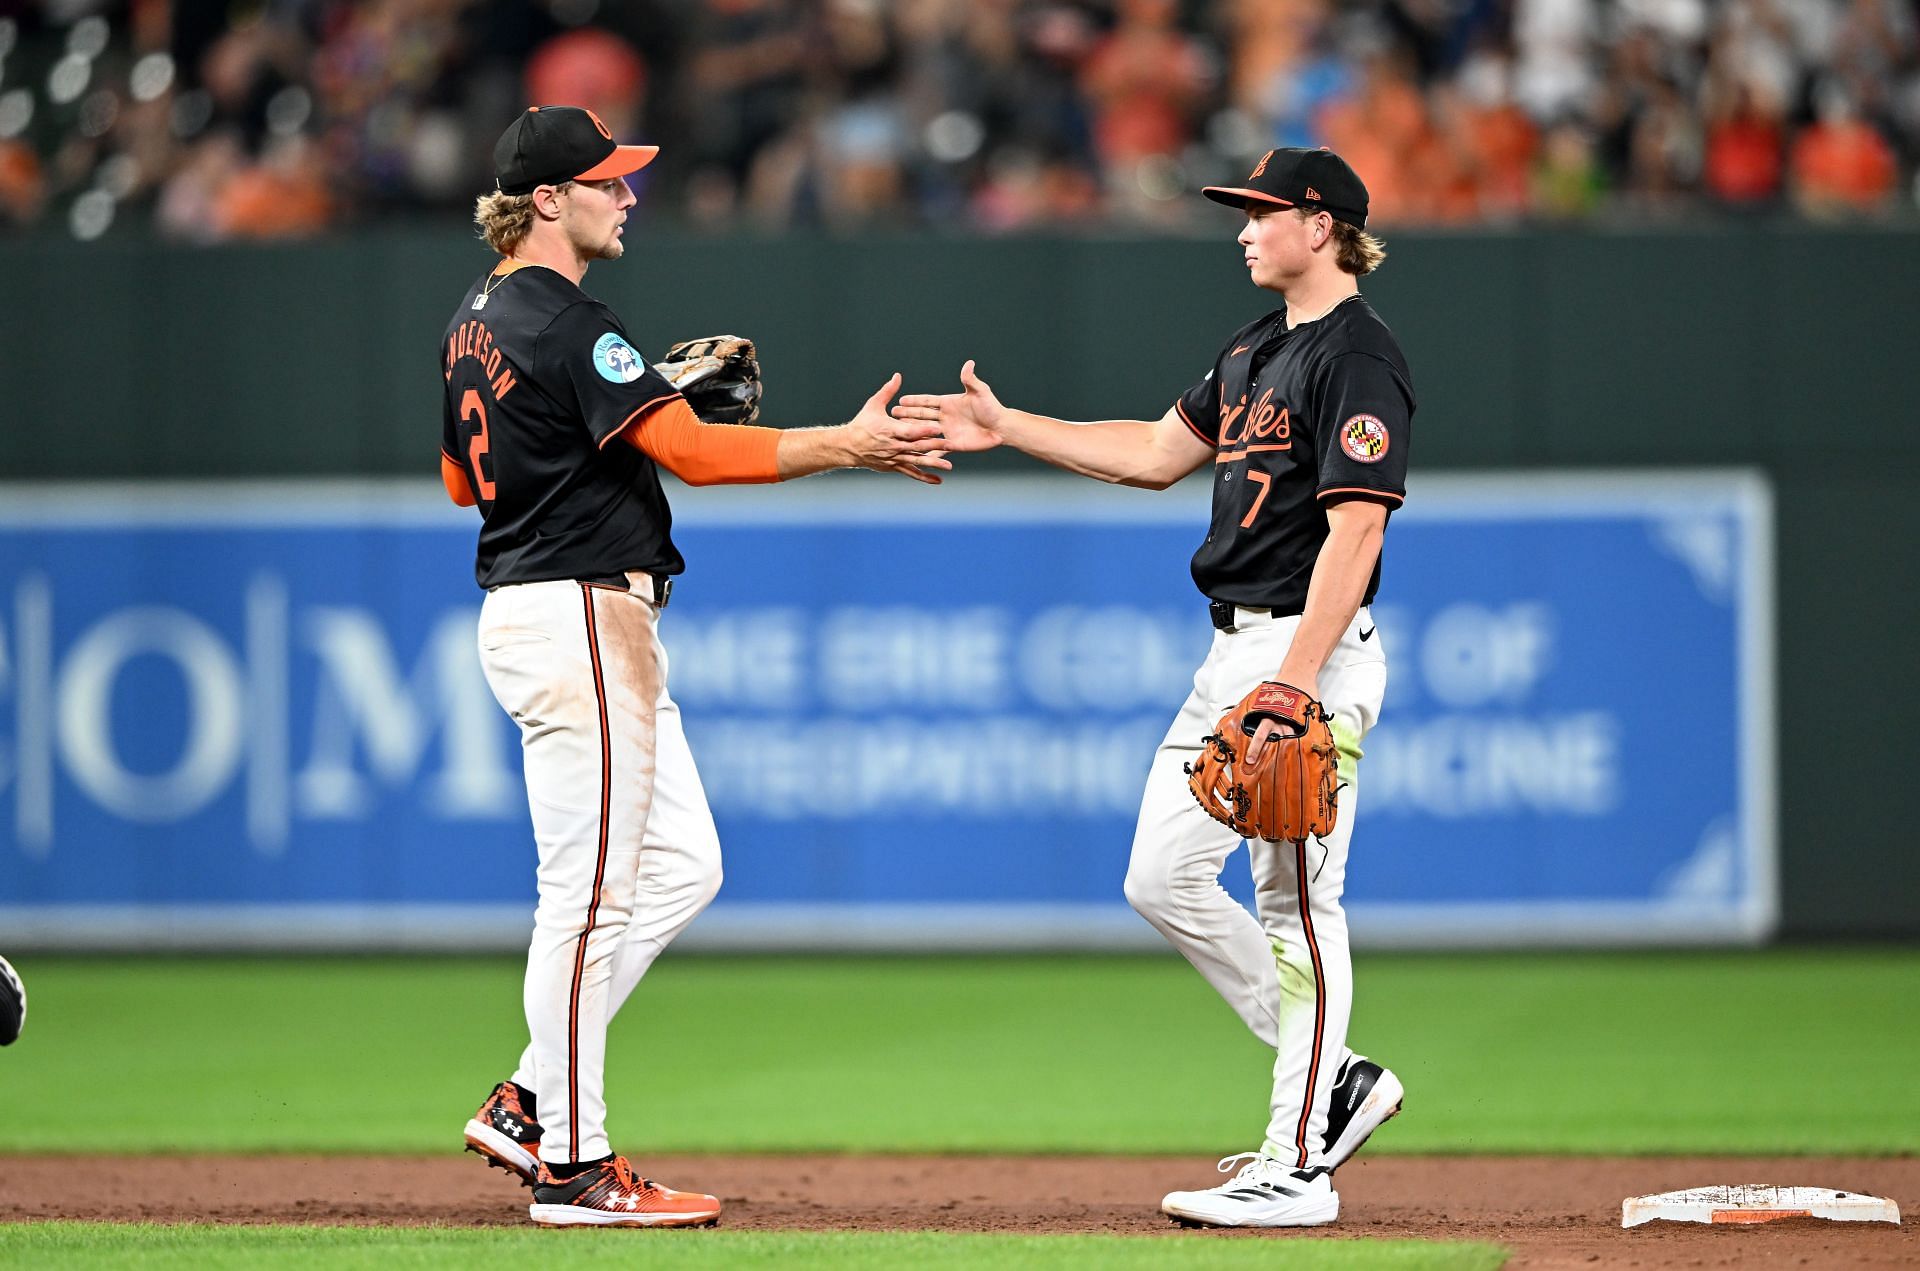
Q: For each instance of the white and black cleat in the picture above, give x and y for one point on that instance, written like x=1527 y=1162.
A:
x=1265 y=1193
x=1365 y=1097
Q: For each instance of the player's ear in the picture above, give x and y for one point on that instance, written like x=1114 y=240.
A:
x=546 y=201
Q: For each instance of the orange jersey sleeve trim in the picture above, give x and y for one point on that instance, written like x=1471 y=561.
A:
x=454 y=477
x=703 y=454
x=1182 y=412
x=1385 y=496
x=627 y=429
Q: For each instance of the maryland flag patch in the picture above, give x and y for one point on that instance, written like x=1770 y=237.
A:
x=1364 y=438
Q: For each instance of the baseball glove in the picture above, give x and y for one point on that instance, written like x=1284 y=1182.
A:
x=718 y=375
x=1293 y=791
x=13 y=1004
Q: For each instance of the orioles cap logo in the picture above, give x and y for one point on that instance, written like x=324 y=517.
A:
x=1261 y=166
x=604 y=130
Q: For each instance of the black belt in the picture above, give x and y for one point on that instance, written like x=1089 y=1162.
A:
x=1221 y=612
x=662 y=585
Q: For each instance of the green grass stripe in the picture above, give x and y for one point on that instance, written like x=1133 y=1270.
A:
x=1788 y=1051
x=195 y=1248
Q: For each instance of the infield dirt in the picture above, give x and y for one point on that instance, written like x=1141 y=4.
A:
x=1551 y=1211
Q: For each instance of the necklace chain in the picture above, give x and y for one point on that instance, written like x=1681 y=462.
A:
x=486 y=288
x=1329 y=309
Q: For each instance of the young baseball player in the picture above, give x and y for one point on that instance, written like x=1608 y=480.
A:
x=1304 y=422
x=556 y=427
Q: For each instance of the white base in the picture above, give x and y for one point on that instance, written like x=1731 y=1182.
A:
x=1755 y=1202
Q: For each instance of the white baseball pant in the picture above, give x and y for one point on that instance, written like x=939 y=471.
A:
x=1288 y=972
x=627 y=847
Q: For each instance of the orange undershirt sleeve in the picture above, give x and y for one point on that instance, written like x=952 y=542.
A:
x=454 y=477
x=704 y=454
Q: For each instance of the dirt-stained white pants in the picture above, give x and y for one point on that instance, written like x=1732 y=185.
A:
x=1288 y=974
x=628 y=851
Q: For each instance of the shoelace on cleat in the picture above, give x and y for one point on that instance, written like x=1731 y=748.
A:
x=1259 y=1171
x=623 y=1170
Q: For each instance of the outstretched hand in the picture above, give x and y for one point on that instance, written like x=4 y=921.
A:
x=878 y=441
x=968 y=420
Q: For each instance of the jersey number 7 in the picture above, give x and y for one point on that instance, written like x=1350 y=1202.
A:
x=1266 y=483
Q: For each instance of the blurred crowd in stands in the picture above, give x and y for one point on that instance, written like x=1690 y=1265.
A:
x=266 y=118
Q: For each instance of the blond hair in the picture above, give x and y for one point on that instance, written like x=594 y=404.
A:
x=505 y=220
x=1356 y=251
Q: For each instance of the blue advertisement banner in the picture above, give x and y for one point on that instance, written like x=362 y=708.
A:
x=247 y=715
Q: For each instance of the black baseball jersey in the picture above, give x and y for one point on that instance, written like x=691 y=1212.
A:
x=1300 y=417
x=540 y=379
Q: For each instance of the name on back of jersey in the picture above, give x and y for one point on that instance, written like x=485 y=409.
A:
x=473 y=340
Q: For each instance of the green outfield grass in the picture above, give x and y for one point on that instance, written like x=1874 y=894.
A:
x=198 y=1248
x=1784 y=1051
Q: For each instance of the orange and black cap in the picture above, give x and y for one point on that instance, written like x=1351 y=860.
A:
x=547 y=145
x=1317 y=180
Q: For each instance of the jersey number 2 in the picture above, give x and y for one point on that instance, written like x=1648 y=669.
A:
x=1266 y=483
x=472 y=407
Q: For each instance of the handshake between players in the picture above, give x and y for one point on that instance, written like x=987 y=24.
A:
x=557 y=430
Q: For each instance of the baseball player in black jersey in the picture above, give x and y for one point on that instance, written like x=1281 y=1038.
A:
x=556 y=427
x=1304 y=421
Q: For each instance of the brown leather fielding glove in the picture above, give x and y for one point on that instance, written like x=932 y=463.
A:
x=1293 y=791
x=719 y=375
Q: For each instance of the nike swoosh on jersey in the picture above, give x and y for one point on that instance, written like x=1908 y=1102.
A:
x=1368 y=633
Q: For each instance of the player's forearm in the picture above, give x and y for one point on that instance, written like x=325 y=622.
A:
x=1341 y=573
x=805 y=451
x=1119 y=451
x=705 y=454
x=737 y=454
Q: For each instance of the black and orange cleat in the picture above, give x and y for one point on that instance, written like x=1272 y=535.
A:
x=611 y=1195
x=506 y=1133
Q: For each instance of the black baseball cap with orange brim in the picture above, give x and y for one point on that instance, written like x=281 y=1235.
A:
x=548 y=145
x=1316 y=180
